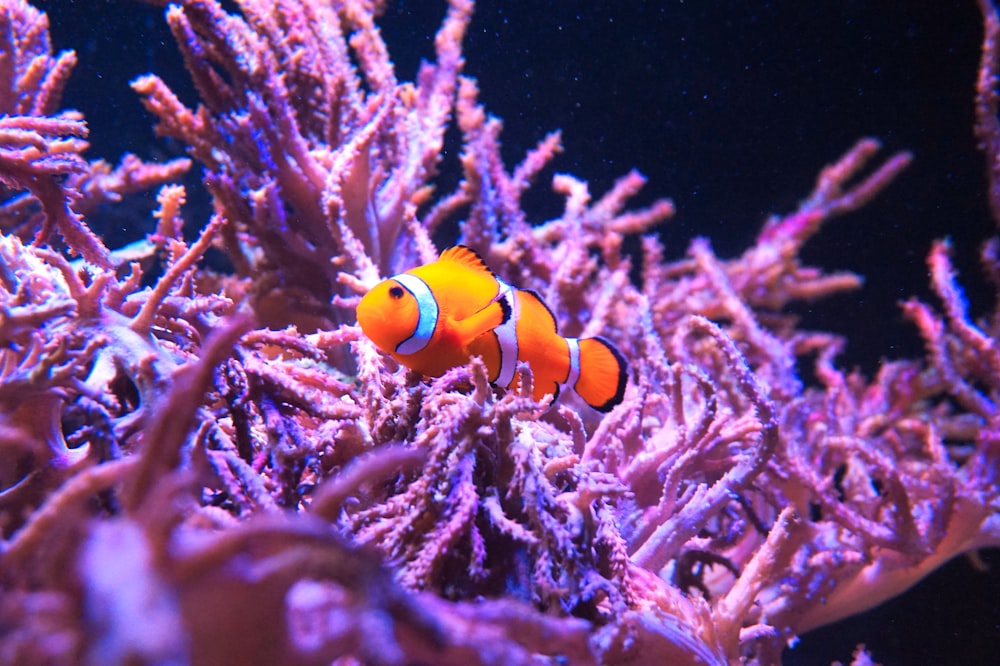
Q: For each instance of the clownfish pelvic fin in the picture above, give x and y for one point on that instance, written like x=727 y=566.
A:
x=478 y=323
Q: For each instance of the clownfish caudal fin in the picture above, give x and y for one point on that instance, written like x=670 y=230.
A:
x=603 y=374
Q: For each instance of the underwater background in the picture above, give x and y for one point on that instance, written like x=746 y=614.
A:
x=730 y=109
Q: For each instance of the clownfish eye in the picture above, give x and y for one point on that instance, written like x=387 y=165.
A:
x=395 y=293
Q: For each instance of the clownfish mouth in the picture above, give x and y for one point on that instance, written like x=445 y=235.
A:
x=372 y=320
x=365 y=314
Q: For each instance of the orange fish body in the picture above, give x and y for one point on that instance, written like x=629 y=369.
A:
x=437 y=316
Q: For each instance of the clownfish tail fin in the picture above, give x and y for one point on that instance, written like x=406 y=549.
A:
x=603 y=374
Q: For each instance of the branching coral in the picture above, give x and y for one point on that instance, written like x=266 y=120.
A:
x=41 y=148
x=323 y=166
x=227 y=457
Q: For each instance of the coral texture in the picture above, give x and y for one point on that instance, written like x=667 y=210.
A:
x=224 y=455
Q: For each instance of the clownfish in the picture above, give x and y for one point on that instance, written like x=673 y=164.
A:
x=439 y=315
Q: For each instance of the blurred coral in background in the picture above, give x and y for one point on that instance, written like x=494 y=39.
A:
x=215 y=466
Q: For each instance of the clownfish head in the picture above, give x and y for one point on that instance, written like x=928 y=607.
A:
x=389 y=314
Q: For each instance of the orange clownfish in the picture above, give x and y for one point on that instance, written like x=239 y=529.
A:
x=438 y=316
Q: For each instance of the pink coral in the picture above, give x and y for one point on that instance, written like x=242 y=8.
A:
x=228 y=458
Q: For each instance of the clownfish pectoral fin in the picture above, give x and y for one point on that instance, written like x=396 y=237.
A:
x=603 y=374
x=465 y=256
x=483 y=321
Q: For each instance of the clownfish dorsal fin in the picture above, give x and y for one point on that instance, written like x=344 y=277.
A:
x=466 y=256
x=484 y=320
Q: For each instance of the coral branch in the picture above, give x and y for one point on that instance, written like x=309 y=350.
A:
x=194 y=431
x=987 y=125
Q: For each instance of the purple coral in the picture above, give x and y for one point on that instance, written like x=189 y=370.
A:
x=225 y=456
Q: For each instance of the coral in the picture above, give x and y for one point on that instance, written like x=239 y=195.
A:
x=41 y=148
x=224 y=455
